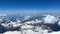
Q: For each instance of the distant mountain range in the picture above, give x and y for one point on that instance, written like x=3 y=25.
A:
x=15 y=22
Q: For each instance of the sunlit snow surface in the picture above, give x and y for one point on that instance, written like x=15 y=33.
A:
x=29 y=24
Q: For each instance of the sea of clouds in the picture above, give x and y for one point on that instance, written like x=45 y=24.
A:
x=48 y=19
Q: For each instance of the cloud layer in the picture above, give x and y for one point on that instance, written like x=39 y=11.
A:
x=50 y=19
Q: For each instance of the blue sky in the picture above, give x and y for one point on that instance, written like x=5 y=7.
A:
x=30 y=6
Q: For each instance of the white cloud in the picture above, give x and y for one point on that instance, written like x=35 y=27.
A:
x=29 y=22
x=18 y=20
x=3 y=14
x=27 y=17
x=34 y=21
x=50 y=19
x=1 y=20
